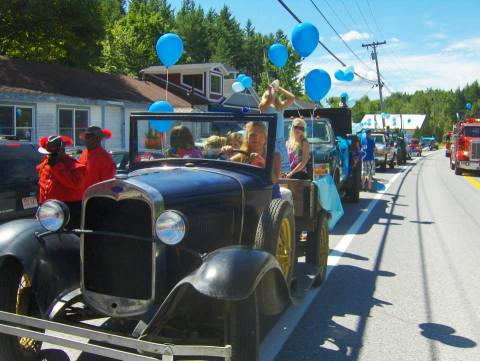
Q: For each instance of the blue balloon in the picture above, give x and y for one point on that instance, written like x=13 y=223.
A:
x=345 y=95
x=469 y=105
x=161 y=107
x=237 y=87
x=240 y=76
x=169 y=49
x=247 y=82
x=305 y=38
x=409 y=120
x=348 y=76
x=317 y=84
x=278 y=54
x=339 y=75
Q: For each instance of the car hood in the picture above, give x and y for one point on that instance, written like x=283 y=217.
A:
x=179 y=184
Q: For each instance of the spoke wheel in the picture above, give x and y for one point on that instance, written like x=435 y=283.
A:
x=276 y=235
x=317 y=248
x=16 y=296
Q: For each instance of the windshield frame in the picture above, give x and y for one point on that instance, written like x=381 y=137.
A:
x=269 y=119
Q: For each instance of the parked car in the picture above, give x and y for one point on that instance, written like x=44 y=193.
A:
x=19 y=178
x=190 y=251
x=329 y=134
x=429 y=142
x=384 y=151
x=414 y=148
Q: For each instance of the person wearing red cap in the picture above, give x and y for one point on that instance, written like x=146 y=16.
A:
x=61 y=176
x=99 y=163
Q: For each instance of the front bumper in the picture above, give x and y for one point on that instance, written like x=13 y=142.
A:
x=380 y=160
x=20 y=326
x=469 y=165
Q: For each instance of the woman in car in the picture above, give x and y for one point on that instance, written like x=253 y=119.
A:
x=254 y=152
x=298 y=150
x=182 y=144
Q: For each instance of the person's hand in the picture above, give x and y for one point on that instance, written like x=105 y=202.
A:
x=257 y=159
x=289 y=175
x=228 y=149
x=275 y=84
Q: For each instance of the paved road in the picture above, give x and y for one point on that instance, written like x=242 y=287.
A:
x=403 y=281
x=407 y=286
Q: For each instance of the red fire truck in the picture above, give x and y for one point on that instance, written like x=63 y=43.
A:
x=465 y=154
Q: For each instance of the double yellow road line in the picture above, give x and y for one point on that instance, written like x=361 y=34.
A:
x=473 y=181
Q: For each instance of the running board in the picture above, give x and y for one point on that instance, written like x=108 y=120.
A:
x=18 y=325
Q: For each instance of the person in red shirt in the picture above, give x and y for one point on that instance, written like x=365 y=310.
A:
x=61 y=176
x=99 y=163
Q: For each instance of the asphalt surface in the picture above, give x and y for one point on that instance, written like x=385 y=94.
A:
x=406 y=286
x=403 y=280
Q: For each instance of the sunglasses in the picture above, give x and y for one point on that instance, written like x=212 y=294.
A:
x=297 y=127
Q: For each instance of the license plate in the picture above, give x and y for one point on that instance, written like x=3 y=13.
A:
x=29 y=202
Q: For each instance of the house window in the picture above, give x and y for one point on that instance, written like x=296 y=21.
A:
x=72 y=123
x=16 y=120
x=193 y=80
x=215 y=83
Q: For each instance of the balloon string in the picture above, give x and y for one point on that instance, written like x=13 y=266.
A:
x=166 y=88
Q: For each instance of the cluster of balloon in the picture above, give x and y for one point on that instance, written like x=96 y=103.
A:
x=345 y=74
x=278 y=54
x=242 y=82
x=385 y=115
x=468 y=105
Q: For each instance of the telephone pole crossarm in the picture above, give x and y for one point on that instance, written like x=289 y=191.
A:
x=379 y=81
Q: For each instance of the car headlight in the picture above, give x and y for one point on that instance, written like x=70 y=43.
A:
x=171 y=227
x=53 y=215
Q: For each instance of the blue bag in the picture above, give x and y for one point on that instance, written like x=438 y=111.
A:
x=329 y=199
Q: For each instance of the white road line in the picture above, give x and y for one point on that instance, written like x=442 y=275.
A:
x=276 y=338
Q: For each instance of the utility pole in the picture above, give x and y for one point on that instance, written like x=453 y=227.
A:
x=380 y=84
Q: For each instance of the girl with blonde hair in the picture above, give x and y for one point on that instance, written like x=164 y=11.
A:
x=298 y=150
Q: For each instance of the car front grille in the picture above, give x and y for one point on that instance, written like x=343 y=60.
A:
x=475 y=151
x=117 y=265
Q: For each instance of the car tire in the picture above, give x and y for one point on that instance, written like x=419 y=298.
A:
x=276 y=235
x=458 y=170
x=317 y=247
x=16 y=296
x=243 y=329
x=452 y=165
x=383 y=165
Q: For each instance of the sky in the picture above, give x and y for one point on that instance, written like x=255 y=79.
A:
x=430 y=43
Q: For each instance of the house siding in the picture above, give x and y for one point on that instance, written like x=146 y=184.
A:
x=114 y=122
x=46 y=119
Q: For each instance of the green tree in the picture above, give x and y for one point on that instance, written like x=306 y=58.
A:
x=52 y=31
x=191 y=27
x=111 y=10
x=130 y=43
x=228 y=39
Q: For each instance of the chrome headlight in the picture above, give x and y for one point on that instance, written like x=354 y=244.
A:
x=53 y=215
x=171 y=227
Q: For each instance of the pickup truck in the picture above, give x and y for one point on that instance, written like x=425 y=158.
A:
x=384 y=151
x=329 y=134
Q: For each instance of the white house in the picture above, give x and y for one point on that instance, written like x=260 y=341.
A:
x=408 y=122
x=38 y=100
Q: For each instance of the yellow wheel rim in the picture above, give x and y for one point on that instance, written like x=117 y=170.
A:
x=284 y=247
x=23 y=300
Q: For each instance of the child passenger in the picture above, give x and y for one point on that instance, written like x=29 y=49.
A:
x=182 y=144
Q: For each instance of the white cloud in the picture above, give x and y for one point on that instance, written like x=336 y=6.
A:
x=439 y=35
x=470 y=45
x=354 y=35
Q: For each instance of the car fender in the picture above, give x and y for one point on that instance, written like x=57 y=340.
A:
x=52 y=262
x=227 y=274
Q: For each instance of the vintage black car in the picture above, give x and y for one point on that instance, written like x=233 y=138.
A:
x=191 y=256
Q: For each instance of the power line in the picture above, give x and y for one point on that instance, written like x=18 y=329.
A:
x=320 y=42
x=348 y=12
x=336 y=15
x=363 y=16
x=339 y=36
x=375 y=57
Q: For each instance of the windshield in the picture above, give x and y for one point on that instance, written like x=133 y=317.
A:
x=242 y=141
x=317 y=132
x=472 y=131
x=379 y=138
